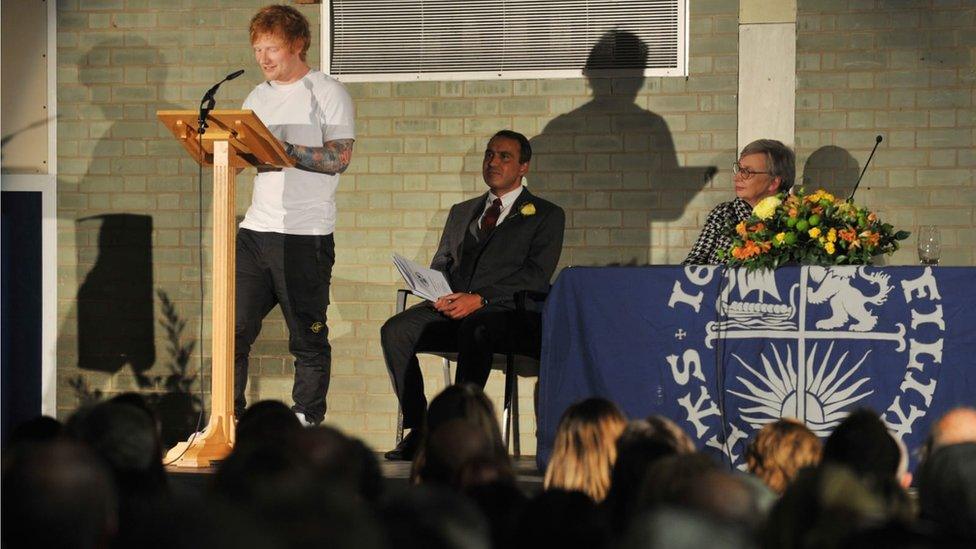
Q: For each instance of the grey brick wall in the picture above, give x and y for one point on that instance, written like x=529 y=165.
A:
x=904 y=70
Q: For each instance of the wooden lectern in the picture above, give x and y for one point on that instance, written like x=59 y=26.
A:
x=234 y=139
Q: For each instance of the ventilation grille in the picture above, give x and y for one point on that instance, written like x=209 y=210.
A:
x=472 y=39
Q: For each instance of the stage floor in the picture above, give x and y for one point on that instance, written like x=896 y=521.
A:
x=396 y=473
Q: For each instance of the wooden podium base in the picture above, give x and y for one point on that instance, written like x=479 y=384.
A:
x=213 y=444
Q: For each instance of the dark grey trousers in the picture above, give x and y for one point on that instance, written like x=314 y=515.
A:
x=293 y=271
x=475 y=339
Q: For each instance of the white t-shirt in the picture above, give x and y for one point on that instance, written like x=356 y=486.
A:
x=313 y=110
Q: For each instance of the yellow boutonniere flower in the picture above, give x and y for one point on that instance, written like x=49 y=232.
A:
x=814 y=232
x=527 y=209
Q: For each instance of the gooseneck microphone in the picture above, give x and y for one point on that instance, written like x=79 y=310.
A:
x=208 y=102
x=877 y=141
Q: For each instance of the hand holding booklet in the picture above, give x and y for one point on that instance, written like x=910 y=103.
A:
x=424 y=282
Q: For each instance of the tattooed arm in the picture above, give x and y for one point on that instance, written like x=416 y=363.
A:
x=331 y=158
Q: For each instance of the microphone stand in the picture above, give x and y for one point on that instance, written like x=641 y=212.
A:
x=208 y=102
x=877 y=141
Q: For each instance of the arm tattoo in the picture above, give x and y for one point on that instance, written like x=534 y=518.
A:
x=331 y=158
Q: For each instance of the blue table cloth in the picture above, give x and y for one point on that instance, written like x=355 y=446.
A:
x=724 y=351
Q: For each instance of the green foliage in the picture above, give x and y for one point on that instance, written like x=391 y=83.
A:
x=813 y=229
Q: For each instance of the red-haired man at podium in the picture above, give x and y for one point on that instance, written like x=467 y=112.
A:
x=285 y=245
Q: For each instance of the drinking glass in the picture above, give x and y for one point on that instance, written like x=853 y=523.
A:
x=929 y=245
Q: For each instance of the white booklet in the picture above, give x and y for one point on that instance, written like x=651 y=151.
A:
x=422 y=281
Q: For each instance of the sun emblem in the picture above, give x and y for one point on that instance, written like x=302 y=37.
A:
x=829 y=392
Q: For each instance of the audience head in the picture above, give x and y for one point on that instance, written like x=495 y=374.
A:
x=461 y=426
x=459 y=448
x=779 y=450
x=126 y=437
x=672 y=528
x=666 y=430
x=57 y=494
x=564 y=519
x=433 y=517
x=638 y=447
x=502 y=503
x=827 y=505
x=38 y=429
x=862 y=443
x=585 y=448
x=340 y=461
x=256 y=472
x=265 y=422
x=957 y=425
x=947 y=490
x=695 y=482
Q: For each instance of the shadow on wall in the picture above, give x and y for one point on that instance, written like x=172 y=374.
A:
x=832 y=169
x=115 y=301
x=611 y=164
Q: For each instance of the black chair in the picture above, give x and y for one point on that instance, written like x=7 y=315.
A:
x=513 y=364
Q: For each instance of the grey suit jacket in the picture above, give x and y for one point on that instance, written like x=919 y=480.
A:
x=521 y=253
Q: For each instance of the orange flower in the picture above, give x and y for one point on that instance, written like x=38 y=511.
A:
x=849 y=235
x=872 y=217
x=817 y=210
x=741 y=229
x=757 y=227
x=873 y=238
x=748 y=249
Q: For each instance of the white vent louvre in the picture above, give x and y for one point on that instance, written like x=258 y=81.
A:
x=377 y=40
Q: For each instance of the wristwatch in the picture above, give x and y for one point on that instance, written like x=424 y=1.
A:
x=484 y=301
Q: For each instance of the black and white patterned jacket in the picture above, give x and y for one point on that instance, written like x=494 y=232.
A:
x=717 y=233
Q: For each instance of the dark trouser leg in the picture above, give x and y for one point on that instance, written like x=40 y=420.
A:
x=416 y=329
x=302 y=278
x=487 y=332
x=480 y=335
x=254 y=298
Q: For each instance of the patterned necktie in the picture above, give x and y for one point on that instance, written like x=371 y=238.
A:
x=491 y=216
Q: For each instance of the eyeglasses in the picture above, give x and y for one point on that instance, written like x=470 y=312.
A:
x=746 y=173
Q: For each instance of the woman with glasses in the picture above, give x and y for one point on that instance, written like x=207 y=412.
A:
x=765 y=167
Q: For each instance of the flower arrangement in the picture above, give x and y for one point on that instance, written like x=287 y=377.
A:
x=810 y=229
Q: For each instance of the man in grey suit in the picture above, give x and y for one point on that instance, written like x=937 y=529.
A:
x=492 y=247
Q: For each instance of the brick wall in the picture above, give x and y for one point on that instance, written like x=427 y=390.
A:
x=628 y=160
x=902 y=69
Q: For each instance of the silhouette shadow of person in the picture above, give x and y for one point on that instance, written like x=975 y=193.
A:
x=832 y=169
x=611 y=164
x=134 y=187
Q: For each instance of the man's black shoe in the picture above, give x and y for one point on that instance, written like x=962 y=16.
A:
x=406 y=449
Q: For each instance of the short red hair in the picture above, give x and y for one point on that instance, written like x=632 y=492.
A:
x=284 y=22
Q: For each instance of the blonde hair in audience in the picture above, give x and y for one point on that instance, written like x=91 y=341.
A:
x=585 y=448
x=780 y=450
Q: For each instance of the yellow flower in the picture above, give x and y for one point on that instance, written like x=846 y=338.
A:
x=829 y=248
x=832 y=235
x=527 y=209
x=767 y=207
x=814 y=232
x=780 y=237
